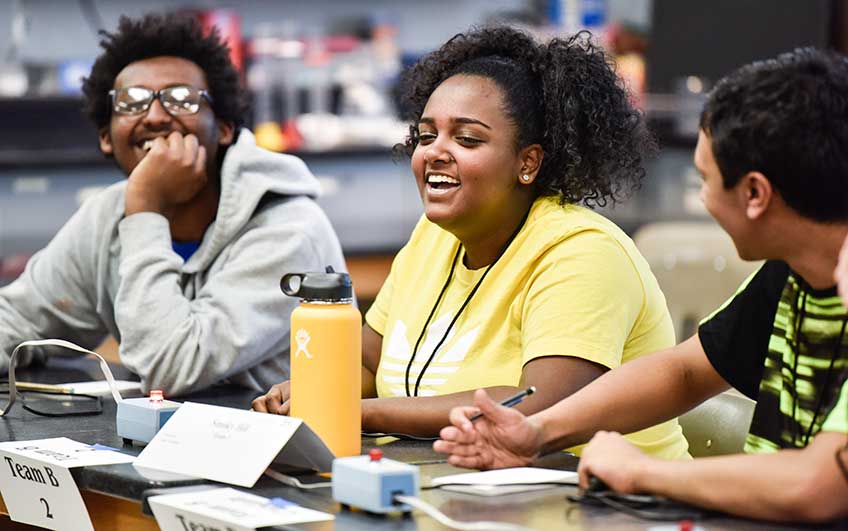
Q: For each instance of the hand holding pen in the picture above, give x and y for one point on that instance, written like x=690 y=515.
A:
x=514 y=400
x=505 y=438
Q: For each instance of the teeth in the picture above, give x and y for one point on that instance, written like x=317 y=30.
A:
x=148 y=145
x=441 y=179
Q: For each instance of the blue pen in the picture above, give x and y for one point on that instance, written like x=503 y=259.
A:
x=509 y=402
x=98 y=446
x=281 y=503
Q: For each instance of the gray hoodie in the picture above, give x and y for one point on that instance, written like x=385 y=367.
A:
x=181 y=325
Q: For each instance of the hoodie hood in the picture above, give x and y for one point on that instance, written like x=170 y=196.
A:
x=249 y=174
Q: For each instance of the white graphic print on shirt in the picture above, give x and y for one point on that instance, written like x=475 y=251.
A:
x=398 y=350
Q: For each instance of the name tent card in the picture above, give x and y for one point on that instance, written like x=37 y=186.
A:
x=232 y=445
x=227 y=509
x=36 y=481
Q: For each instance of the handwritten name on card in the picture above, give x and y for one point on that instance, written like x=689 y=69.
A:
x=231 y=445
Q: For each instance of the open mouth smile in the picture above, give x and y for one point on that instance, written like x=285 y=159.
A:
x=439 y=183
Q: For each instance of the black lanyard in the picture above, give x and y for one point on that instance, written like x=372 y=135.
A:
x=836 y=349
x=455 y=317
x=799 y=322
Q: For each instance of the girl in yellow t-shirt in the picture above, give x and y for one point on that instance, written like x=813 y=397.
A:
x=506 y=282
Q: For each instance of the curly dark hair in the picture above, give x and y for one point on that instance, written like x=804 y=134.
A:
x=563 y=95
x=156 y=35
x=786 y=117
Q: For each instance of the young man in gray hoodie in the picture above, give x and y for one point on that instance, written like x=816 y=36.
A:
x=181 y=262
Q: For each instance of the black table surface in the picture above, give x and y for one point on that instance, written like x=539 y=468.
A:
x=547 y=509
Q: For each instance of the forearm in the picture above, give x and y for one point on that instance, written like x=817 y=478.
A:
x=49 y=300
x=14 y=329
x=768 y=486
x=231 y=323
x=159 y=333
x=639 y=394
x=420 y=416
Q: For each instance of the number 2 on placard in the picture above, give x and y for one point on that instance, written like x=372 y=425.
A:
x=46 y=507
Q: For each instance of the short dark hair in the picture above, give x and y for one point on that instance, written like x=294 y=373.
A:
x=787 y=118
x=156 y=35
x=563 y=95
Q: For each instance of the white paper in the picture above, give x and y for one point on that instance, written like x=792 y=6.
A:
x=65 y=452
x=226 y=508
x=36 y=482
x=229 y=445
x=101 y=388
x=505 y=481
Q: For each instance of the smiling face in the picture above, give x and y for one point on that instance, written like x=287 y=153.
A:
x=466 y=164
x=126 y=136
x=727 y=206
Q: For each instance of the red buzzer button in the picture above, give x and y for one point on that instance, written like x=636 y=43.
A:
x=156 y=395
x=375 y=454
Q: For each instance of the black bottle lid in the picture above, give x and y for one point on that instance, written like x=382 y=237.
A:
x=326 y=286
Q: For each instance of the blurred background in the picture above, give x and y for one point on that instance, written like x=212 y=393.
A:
x=323 y=74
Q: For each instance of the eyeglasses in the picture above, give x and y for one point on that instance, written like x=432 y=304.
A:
x=42 y=400
x=48 y=402
x=179 y=100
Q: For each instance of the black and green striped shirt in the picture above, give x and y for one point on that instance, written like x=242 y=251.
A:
x=783 y=344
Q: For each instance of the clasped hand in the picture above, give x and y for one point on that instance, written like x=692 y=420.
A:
x=172 y=173
x=274 y=401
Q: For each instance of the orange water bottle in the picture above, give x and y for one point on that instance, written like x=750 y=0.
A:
x=326 y=358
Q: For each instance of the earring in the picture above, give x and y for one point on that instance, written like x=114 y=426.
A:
x=525 y=178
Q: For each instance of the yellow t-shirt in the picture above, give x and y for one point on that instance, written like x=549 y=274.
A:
x=570 y=284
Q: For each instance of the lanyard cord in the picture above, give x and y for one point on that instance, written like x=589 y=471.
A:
x=799 y=321
x=836 y=349
x=427 y=322
x=458 y=313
